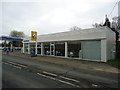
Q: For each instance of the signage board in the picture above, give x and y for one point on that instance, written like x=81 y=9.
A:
x=33 y=35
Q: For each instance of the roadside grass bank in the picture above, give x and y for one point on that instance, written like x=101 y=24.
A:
x=114 y=63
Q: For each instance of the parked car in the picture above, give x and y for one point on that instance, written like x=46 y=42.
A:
x=1 y=48
x=17 y=48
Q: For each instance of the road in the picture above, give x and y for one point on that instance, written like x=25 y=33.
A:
x=0 y=71
x=22 y=73
x=16 y=78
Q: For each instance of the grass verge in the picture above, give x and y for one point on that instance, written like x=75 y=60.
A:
x=114 y=63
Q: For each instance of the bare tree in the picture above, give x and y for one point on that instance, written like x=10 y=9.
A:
x=97 y=25
x=75 y=28
x=116 y=23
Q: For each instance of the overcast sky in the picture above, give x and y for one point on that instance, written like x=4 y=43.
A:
x=51 y=16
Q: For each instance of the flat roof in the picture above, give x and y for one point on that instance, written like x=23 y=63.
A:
x=84 y=34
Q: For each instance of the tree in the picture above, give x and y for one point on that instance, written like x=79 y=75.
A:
x=75 y=28
x=97 y=25
x=115 y=25
x=15 y=33
x=116 y=28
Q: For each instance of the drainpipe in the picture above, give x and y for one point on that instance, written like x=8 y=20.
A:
x=5 y=43
x=66 y=50
x=23 y=48
x=42 y=50
x=36 y=48
x=28 y=48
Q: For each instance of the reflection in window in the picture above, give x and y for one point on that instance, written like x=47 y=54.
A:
x=26 y=48
x=46 y=48
x=59 y=49
x=74 y=49
x=32 y=47
x=38 y=48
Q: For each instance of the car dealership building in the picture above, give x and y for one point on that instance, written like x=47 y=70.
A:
x=94 y=44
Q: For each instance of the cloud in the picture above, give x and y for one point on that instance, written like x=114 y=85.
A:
x=50 y=16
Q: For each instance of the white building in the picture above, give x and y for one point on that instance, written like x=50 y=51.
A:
x=95 y=44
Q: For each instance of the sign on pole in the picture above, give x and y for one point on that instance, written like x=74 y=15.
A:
x=33 y=35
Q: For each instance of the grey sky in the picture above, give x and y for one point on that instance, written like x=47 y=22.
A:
x=50 y=16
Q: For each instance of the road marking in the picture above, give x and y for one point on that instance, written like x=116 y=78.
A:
x=94 y=85
x=69 y=78
x=17 y=64
x=58 y=80
x=61 y=76
x=45 y=72
x=49 y=73
x=5 y=63
x=68 y=83
x=17 y=67
x=46 y=76
x=22 y=65
x=12 y=65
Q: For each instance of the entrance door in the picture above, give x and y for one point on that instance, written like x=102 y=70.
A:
x=52 y=49
x=39 y=48
x=91 y=50
x=32 y=47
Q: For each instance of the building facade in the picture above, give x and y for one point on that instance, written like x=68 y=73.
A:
x=95 y=44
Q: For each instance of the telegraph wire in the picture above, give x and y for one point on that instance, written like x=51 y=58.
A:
x=113 y=8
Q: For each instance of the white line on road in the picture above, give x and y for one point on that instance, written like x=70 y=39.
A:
x=49 y=73
x=17 y=67
x=94 y=85
x=46 y=76
x=60 y=76
x=69 y=78
x=58 y=80
x=16 y=64
x=44 y=72
x=68 y=83
x=12 y=65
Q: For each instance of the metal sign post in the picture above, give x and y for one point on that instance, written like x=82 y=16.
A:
x=36 y=47
x=34 y=38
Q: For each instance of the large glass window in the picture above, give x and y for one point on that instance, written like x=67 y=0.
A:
x=52 y=48
x=26 y=48
x=74 y=49
x=46 y=47
x=32 y=47
x=59 y=49
x=38 y=48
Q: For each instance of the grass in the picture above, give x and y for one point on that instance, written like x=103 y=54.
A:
x=114 y=63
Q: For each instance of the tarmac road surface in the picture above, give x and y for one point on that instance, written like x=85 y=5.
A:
x=22 y=73
x=16 y=78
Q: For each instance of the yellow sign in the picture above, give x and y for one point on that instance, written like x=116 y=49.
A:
x=33 y=35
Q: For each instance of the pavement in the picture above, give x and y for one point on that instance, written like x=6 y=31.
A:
x=73 y=63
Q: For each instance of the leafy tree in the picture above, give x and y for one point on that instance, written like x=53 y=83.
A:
x=15 y=33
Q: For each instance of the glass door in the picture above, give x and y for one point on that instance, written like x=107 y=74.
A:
x=52 y=49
